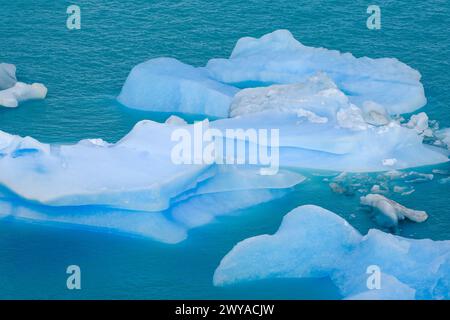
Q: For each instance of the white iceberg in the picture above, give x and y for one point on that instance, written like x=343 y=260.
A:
x=277 y=58
x=314 y=242
x=7 y=75
x=11 y=97
x=168 y=85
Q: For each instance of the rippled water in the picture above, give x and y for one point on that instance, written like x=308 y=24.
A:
x=84 y=71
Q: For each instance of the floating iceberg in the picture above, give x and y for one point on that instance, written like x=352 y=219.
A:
x=393 y=210
x=314 y=242
x=168 y=85
x=11 y=97
x=333 y=111
x=136 y=173
x=7 y=76
x=131 y=187
x=277 y=58
x=13 y=92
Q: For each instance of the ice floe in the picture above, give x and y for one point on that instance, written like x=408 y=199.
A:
x=393 y=210
x=278 y=58
x=314 y=242
x=131 y=186
x=13 y=92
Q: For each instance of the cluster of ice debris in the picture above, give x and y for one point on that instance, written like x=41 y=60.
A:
x=12 y=92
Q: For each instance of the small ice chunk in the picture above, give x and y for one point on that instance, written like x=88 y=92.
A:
x=419 y=123
x=378 y=189
x=7 y=75
x=389 y=162
x=444 y=136
x=11 y=97
x=311 y=116
x=375 y=114
x=351 y=118
x=393 y=210
x=176 y=121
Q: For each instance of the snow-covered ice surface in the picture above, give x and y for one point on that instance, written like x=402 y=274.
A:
x=314 y=243
x=13 y=92
x=278 y=58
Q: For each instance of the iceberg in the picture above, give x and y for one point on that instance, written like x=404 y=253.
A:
x=11 y=97
x=393 y=210
x=320 y=125
x=313 y=242
x=7 y=75
x=130 y=187
x=218 y=196
x=278 y=58
x=168 y=85
x=136 y=173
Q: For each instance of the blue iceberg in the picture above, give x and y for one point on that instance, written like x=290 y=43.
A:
x=313 y=242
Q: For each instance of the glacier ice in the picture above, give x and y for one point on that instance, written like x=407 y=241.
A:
x=7 y=75
x=168 y=85
x=313 y=242
x=278 y=58
x=393 y=210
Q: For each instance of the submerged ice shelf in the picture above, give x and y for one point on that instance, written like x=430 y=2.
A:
x=314 y=243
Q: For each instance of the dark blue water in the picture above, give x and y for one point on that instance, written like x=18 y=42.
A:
x=84 y=71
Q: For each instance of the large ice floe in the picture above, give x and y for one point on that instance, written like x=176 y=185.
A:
x=13 y=92
x=315 y=243
x=132 y=186
x=333 y=111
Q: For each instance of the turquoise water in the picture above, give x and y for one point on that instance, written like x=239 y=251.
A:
x=84 y=71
